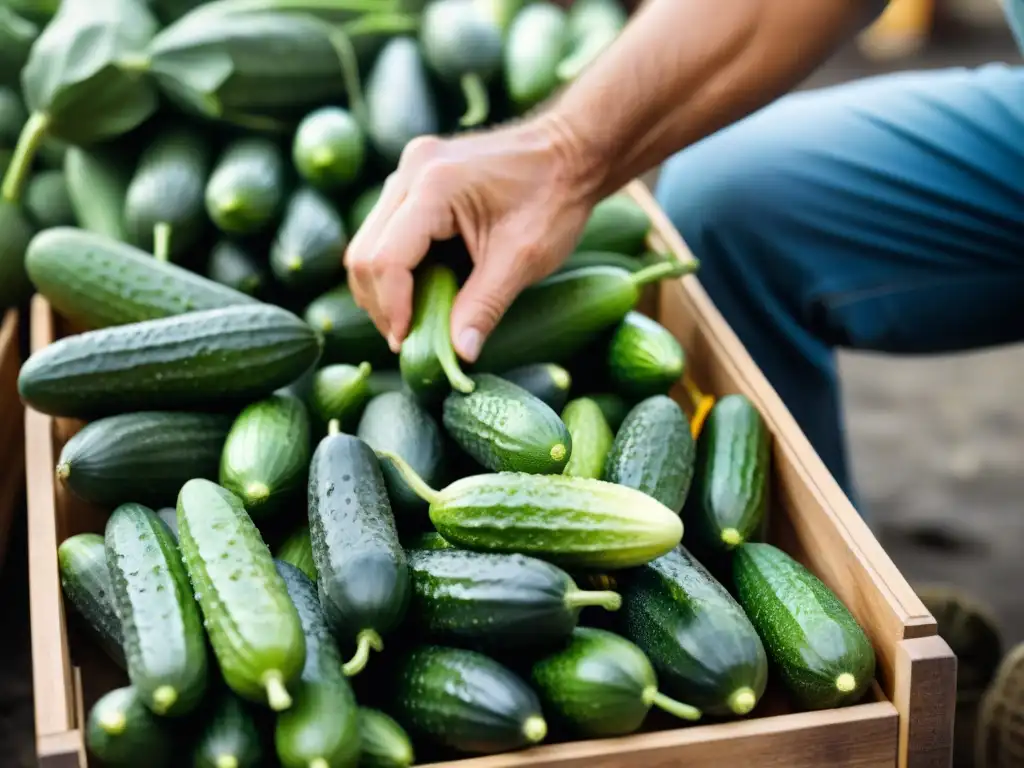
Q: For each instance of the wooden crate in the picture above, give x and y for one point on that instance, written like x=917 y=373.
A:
x=906 y=721
x=12 y=468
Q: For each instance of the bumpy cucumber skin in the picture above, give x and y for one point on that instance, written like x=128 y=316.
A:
x=429 y=334
x=210 y=359
x=163 y=637
x=99 y=282
x=145 y=456
x=507 y=429
x=535 y=43
x=323 y=722
x=384 y=743
x=266 y=454
x=731 y=488
x=340 y=391
x=395 y=421
x=349 y=334
x=545 y=381
x=644 y=358
x=232 y=266
x=616 y=224
x=463 y=700
x=297 y=550
x=429 y=542
x=654 y=452
x=572 y=522
x=809 y=635
x=85 y=582
x=364 y=578
x=698 y=638
x=246 y=189
x=145 y=740
x=591 y=438
x=253 y=626
x=307 y=251
x=229 y=732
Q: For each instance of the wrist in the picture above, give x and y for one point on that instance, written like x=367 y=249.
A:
x=578 y=166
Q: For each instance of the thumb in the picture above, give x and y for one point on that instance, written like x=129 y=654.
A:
x=481 y=303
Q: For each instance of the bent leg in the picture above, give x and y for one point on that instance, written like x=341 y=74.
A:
x=887 y=215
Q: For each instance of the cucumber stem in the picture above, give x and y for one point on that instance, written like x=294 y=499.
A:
x=31 y=136
x=846 y=683
x=346 y=52
x=731 y=537
x=334 y=427
x=656 y=272
x=558 y=452
x=478 y=102
x=583 y=598
x=742 y=701
x=535 y=729
x=367 y=640
x=226 y=761
x=164 y=697
x=381 y=23
x=63 y=471
x=651 y=697
x=162 y=241
x=113 y=723
x=277 y=694
x=319 y=762
x=413 y=480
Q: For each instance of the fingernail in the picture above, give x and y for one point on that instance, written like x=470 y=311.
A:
x=470 y=341
x=393 y=343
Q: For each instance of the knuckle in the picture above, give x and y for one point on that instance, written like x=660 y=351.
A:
x=437 y=174
x=420 y=150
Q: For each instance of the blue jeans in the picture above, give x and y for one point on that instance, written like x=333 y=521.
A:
x=885 y=214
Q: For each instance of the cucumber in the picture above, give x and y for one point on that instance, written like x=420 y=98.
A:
x=364 y=580
x=467 y=701
x=617 y=224
x=47 y=202
x=546 y=381
x=85 y=582
x=699 y=640
x=232 y=265
x=253 y=626
x=400 y=105
x=821 y=652
x=362 y=206
x=170 y=517
x=164 y=642
x=496 y=601
x=229 y=737
x=733 y=464
x=329 y=148
x=591 y=438
x=349 y=334
x=98 y=179
x=427 y=359
x=644 y=358
x=246 y=189
x=12 y=117
x=213 y=358
x=553 y=320
x=569 y=521
x=654 y=452
x=15 y=235
x=582 y=259
x=340 y=392
x=99 y=282
x=593 y=26
x=297 y=550
x=122 y=733
x=430 y=541
x=394 y=421
x=266 y=455
x=614 y=407
x=321 y=730
x=534 y=45
x=310 y=242
x=462 y=45
x=507 y=429
x=163 y=207
x=144 y=456
x=601 y=685
x=384 y=744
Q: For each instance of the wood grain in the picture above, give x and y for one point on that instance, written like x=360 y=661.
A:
x=12 y=436
x=926 y=699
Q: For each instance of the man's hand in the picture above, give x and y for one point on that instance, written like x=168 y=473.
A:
x=517 y=197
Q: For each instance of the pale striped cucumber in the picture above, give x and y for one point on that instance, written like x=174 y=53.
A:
x=85 y=582
x=591 y=438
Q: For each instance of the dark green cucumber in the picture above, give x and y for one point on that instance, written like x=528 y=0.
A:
x=583 y=259
x=593 y=26
x=654 y=452
x=122 y=733
x=266 y=455
x=144 y=456
x=395 y=421
x=496 y=601
x=321 y=730
x=97 y=179
x=362 y=206
x=163 y=207
x=601 y=685
x=99 y=282
x=310 y=243
x=507 y=429
x=297 y=550
x=429 y=541
x=614 y=407
x=467 y=701
x=46 y=200
x=16 y=233
x=574 y=522
x=559 y=316
x=253 y=626
x=164 y=642
x=340 y=392
x=644 y=358
x=85 y=582
x=534 y=45
x=400 y=104
x=699 y=640
x=617 y=224
x=246 y=189
x=822 y=653
x=349 y=334
x=546 y=381
x=218 y=357
x=383 y=742
x=591 y=438
x=231 y=265
x=229 y=738
x=731 y=487
x=170 y=517
x=364 y=579
x=427 y=358
x=329 y=148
